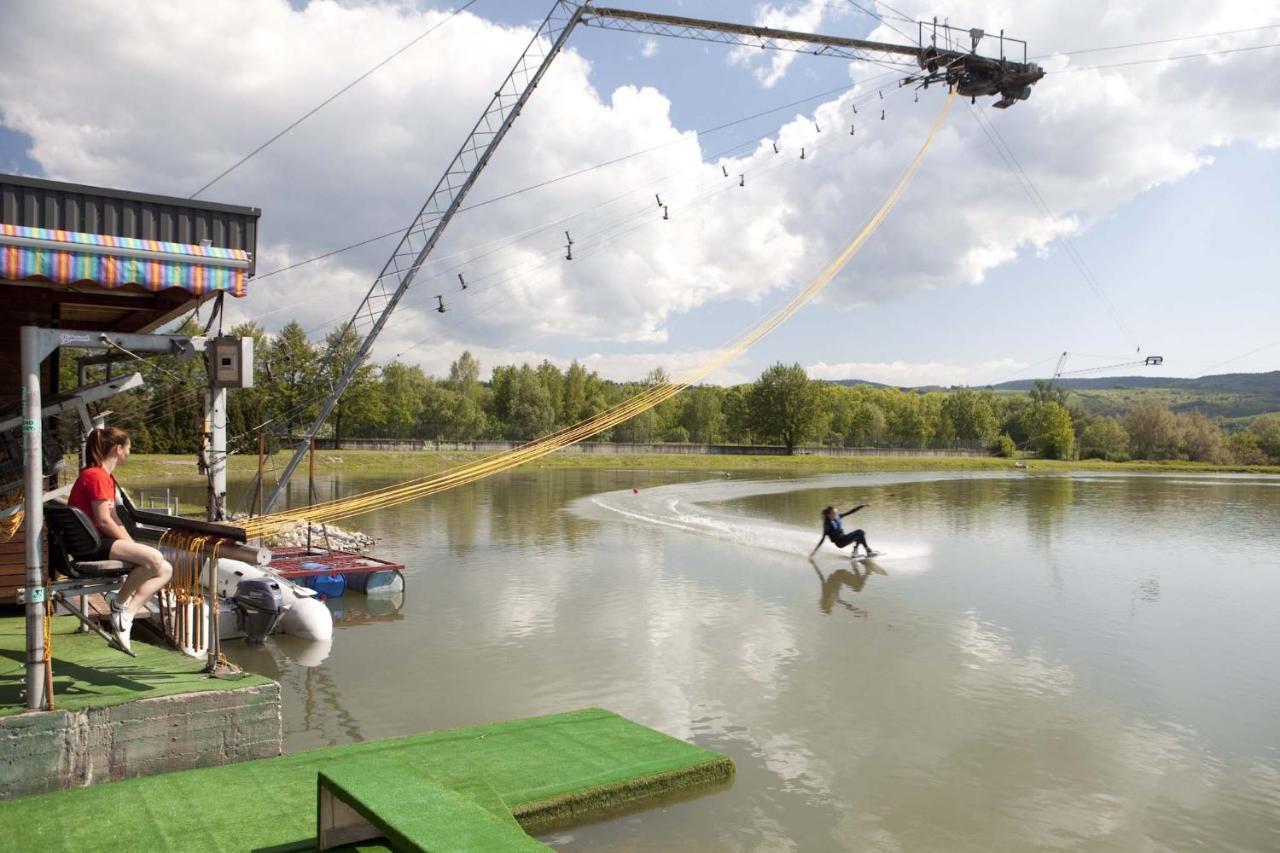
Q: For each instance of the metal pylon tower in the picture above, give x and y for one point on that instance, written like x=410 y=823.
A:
x=424 y=232
x=969 y=72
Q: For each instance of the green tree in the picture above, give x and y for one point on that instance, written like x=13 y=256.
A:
x=1244 y=448
x=867 y=424
x=701 y=417
x=1049 y=430
x=464 y=375
x=360 y=399
x=1104 y=438
x=1200 y=439
x=907 y=425
x=403 y=387
x=531 y=411
x=450 y=415
x=575 y=393
x=504 y=388
x=971 y=414
x=1045 y=391
x=295 y=369
x=1003 y=445
x=785 y=405
x=1153 y=432
x=1267 y=428
x=736 y=407
x=553 y=380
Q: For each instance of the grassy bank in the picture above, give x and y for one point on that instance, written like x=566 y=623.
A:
x=151 y=471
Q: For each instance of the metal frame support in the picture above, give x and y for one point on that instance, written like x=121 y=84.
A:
x=424 y=232
x=37 y=344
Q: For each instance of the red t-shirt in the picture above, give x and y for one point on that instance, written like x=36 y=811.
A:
x=94 y=484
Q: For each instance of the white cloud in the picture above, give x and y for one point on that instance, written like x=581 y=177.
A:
x=649 y=47
x=769 y=67
x=197 y=98
x=907 y=374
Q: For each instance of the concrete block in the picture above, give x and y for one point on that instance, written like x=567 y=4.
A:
x=48 y=751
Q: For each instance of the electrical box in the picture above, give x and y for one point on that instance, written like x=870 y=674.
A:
x=231 y=362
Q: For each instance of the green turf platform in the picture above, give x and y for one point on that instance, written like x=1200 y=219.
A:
x=383 y=797
x=546 y=770
x=87 y=673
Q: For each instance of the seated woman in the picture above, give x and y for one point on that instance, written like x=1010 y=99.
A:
x=95 y=493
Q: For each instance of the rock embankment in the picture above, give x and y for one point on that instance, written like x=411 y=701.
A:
x=322 y=536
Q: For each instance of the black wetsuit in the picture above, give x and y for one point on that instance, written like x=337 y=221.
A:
x=833 y=530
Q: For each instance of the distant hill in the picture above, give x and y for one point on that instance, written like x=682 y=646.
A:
x=1225 y=383
x=1226 y=395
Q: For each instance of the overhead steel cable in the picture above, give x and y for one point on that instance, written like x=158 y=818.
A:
x=590 y=247
x=1038 y=202
x=1167 y=58
x=643 y=215
x=1154 y=42
x=471 y=472
x=585 y=170
x=309 y=113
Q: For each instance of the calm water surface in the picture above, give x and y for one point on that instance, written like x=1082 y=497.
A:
x=1085 y=662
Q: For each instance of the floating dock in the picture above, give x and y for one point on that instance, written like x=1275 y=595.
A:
x=330 y=571
x=450 y=788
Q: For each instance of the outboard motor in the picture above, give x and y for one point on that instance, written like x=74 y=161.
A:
x=259 y=605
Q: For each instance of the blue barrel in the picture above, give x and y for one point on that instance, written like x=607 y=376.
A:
x=328 y=586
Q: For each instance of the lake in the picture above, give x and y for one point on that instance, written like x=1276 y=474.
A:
x=1037 y=661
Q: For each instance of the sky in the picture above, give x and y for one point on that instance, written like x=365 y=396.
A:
x=1157 y=183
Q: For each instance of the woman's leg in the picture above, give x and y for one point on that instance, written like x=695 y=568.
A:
x=145 y=581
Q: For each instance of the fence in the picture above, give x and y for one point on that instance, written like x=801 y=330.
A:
x=603 y=447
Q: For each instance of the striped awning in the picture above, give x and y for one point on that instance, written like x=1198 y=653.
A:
x=69 y=257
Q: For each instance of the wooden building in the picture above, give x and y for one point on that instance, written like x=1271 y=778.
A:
x=89 y=258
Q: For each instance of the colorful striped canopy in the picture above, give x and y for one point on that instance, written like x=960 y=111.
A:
x=67 y=257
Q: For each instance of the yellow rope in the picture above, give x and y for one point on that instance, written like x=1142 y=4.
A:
x=48 y=647
x=399 y=493
x=11 y=525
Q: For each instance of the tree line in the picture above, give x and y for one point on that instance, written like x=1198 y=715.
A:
x=783 y=407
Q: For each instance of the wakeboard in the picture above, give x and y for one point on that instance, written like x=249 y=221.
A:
x=860 y=557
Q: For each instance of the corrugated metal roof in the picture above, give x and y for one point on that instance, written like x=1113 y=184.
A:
x=40 y=203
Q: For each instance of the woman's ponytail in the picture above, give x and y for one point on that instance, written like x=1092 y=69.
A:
x=100 y=443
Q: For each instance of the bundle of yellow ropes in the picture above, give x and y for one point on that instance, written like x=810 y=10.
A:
x=399 y=493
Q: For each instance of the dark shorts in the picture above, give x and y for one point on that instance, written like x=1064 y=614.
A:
x=103 y=552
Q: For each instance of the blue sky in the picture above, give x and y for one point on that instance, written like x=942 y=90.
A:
x=1178 y=229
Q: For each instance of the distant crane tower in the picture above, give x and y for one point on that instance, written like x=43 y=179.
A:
x=1058 y=372
x=944 y=60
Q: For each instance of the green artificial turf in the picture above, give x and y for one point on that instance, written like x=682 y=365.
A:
x=545 y=769
x=87 y=673
x=418 y=812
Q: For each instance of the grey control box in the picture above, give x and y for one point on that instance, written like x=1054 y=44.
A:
x=231 y=362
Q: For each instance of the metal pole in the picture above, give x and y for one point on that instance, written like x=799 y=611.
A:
x=33 y=500
x=262 y=452
x=311 y=486
x=218 y=454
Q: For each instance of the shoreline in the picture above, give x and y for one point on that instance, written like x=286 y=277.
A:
x=149 y=471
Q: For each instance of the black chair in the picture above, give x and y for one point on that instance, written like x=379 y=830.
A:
x=73 y=541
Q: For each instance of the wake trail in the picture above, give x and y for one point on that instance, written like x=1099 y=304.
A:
x=683 y=507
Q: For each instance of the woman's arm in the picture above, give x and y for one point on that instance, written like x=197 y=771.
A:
x=819 y=545
x=855 y=509
x=104 y=515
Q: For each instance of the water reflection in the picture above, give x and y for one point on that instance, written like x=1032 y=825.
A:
x=1048 y=667
x=854 y=578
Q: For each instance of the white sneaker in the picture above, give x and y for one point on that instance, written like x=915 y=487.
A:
x=121 y=626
